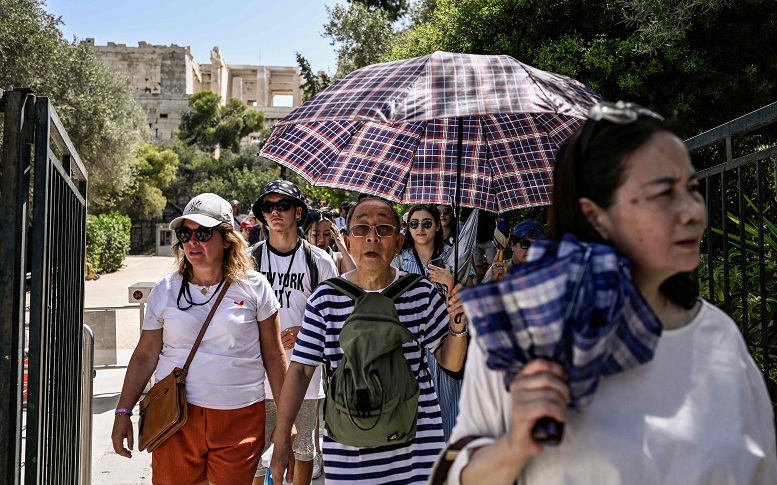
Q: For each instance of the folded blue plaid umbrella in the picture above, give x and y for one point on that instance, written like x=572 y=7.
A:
x=571 y=302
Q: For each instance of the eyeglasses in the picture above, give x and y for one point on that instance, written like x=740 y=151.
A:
x=444 y=211
x=203 y=234
x=363 y=230
x=317 y=215
x=282 y=205
x=619 y=113
x=426 y=223
x=525 y=243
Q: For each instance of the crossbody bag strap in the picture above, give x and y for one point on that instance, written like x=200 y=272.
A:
x=439 y=475
x=185 y=368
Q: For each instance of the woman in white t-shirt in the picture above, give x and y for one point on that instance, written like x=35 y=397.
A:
x=698 y=413
x=223 y=437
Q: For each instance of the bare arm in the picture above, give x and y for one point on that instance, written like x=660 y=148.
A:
x=273 y=356
x=141 y=366
x=292 y=394
x=453 y=351
x=347 y=261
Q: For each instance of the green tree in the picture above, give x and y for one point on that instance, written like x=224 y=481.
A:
x=708 y=60
x=362 y=36
x=156 y=169
x=96 y=106
x=208 y=125
x=313 y=82
x=394 y=8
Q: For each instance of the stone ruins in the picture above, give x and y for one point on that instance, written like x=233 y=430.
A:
x=163 y=77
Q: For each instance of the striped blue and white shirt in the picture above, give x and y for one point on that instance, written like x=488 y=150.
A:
x=423 y=312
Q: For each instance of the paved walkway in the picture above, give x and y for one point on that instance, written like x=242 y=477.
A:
x=111 y=290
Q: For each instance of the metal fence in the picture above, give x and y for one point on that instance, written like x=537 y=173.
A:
x=739 y=261
x=43 y=208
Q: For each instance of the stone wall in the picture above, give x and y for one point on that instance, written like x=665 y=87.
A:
x=162 y=77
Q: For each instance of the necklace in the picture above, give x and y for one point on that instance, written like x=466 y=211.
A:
x=187 y=295
x=285 y=280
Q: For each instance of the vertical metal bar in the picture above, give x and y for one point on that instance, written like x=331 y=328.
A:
x=457 y=195
x=744 y=256
x=762 y=269
x=724 y=216
x=710 y=242
x=14 y=187
x=37 y=429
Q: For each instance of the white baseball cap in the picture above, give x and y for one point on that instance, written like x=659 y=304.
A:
x=207 y=210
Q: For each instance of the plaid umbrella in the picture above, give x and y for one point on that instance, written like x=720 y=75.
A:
x=472 y=130
x=572 y=303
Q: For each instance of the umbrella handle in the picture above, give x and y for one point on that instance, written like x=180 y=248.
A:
x=547 y=431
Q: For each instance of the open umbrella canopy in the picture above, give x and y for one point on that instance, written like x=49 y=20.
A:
x=572 y=303
x=409 y=130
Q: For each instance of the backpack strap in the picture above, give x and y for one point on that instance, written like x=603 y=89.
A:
x=257 y=255
x=312 y=266
x=401 y=285
x=345 y=287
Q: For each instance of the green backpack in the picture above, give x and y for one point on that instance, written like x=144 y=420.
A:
x=372 y=396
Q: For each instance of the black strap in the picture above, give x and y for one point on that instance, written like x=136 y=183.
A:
x=312 y=266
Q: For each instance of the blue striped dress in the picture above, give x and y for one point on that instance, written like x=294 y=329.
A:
x=448 y=389
x=423 y=312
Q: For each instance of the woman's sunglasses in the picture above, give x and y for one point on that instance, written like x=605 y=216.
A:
x=445 y=211
x=426 y=223
x=203 y=234
x=525 y=243
x=619 y=113
x=282 y=205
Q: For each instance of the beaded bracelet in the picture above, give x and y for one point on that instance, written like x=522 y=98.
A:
x=126 y=411
x=463 y=333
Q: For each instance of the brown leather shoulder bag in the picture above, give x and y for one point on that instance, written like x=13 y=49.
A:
x=163 y=410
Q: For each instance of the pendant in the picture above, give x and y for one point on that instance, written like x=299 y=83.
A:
x=204 y=290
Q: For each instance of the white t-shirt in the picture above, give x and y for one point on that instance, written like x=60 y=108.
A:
x=227 y=371
x=697 y=414
x=288 y=274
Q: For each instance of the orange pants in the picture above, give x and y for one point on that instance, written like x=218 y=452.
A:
x=222 y=446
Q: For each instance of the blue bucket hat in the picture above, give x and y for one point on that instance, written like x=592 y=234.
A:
x=282 y=187
x=529 y=228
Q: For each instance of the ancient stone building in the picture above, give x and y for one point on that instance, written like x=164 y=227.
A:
x=162 y=77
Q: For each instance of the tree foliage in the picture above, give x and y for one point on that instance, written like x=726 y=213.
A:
x=208 y=125
x=710 y=61
x=313 y=82
x=393 y=8
x=155 y=171
x=96 y=106
x=362 y=36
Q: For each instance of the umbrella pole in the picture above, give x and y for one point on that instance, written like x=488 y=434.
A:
x=457 y=195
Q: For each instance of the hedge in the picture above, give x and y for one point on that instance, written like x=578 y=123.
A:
x=108 y=240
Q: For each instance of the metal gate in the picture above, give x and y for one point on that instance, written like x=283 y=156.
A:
x=43 y=212
x=738 y=272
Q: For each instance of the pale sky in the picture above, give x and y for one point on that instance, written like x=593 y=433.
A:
x=260 y=32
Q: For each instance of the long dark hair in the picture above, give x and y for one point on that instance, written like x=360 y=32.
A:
x=595 y=172
x=439 y=245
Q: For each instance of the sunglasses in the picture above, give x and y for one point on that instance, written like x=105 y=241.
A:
x=282 y=205
x=525 y=243
x=317 y=215
x=363 y=230
x=426 y=223
x=445 y=211
x=203 y=234
x=619 y=113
